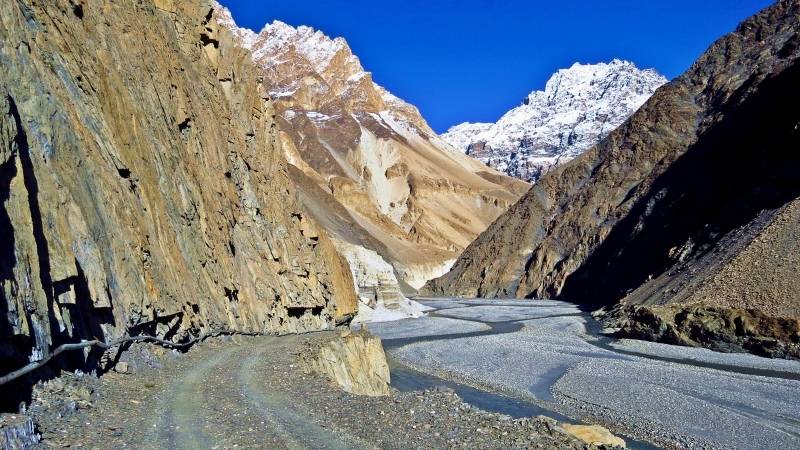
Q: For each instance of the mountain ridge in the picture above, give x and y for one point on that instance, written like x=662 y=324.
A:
x=370 y=167
x=578 y=107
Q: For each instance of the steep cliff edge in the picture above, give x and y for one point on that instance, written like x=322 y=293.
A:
x=142 y=186
x=665 y=207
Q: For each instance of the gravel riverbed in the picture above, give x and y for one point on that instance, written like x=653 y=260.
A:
x=676 y=397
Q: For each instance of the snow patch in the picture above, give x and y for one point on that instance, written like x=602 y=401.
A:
x=244 y=36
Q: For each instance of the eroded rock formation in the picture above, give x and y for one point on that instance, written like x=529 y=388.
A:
x=142 y=185
x=356 y=362
x=690 y=202
x=368 y=166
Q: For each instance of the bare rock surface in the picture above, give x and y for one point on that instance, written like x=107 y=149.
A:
x=356 y=362
x=594 y=434
x=143 y=188
x=691 y=201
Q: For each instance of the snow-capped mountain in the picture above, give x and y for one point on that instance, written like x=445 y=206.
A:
x=578 y=107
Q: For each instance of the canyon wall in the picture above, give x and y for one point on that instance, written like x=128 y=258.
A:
x=142 y=184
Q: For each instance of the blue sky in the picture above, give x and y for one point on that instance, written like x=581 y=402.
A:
x=472 y=60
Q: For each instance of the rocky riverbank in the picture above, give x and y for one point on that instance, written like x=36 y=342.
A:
x=260 y=392
x=720 y=329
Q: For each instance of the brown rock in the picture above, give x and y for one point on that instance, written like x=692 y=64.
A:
x=143 y=186
x=122 y=367
x=356 y=362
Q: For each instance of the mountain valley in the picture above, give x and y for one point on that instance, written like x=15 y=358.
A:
x=213 y=237
x=368 y=167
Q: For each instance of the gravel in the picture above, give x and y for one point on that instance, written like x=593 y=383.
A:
x=704 y=355
x=572 y=325
x=259 y=393
x=677 y=405
x=425 y=326
x=728 y=410
x=486 y=313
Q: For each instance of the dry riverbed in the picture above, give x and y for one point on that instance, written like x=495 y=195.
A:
x=258 y=393
x=549 y=353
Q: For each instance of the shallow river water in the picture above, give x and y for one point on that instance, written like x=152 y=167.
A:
x=546 y=357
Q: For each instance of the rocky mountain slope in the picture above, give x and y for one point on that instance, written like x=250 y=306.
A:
x=143 y=186
x=368 y=166
x=684 y=217
x=578 y=107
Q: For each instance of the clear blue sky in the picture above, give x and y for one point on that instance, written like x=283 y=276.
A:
x=472 y=60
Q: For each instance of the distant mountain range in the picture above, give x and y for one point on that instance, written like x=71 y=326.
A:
x=578 y=107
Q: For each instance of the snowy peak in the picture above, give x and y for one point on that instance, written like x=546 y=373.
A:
x=309 y=43
x=578 y=107
x=245 y=36
x=278 y=37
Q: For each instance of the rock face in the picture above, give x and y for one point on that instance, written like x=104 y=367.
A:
x=578 y=107
x=377 y=287
x=356 y=362
x=142 y=184
x=368 y=166
x=692 y=201
x=721 y=329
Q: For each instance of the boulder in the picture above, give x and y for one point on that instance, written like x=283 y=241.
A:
x=356 y=362
x=593 y=435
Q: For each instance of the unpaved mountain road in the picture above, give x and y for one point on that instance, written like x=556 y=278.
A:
x=235 y=393
x=255 y=393
x=222 y=402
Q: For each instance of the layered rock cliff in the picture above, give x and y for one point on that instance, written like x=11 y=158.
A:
x=369 y=167
x=688 y=203
x=578 y=107
x=143 y=186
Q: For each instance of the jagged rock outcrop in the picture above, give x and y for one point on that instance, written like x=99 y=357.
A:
x=356 y=362
x=578 y=107
x=692 y=201
x=369 y=167
x=142 y=184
